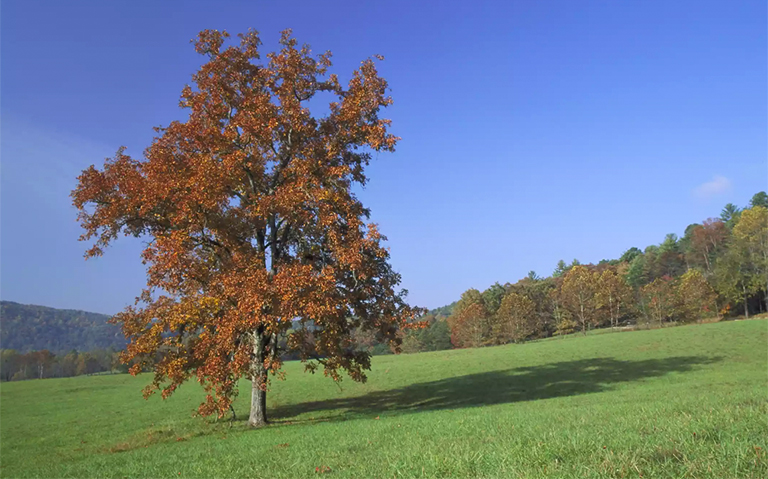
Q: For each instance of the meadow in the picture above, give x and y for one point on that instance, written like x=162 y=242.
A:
x=687 y=401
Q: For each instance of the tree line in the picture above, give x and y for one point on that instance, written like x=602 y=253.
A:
x=719 y=268
x=16 y=366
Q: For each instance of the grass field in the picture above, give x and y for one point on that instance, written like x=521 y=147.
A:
x=688 y=401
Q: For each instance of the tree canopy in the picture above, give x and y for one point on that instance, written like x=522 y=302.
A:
x=254 y=231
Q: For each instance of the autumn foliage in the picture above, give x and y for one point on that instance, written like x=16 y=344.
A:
x=470 y=322
x=717 y=269
x=613 y=296
x=515 y=319
x=695 y=296
x=579 y=294
x=256 y=242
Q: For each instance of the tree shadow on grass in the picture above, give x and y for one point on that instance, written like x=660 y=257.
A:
x=568 y=378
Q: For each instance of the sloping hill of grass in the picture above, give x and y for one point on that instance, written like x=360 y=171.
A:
x=679 y=402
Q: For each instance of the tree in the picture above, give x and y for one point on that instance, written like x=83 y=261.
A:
x=437 y=337
x=730 y=215
x=563 y=321
x=670 y=258
x=732 y=278
x=515 y=319
x=411 y=344
x=560 y=269
x=695 y=296
x=253 y=224
x=613 y=295
x=579 y=295
x=470 y=322
x=492 y=297
x=68 y=364
x=653 y=268
x=706 y=241
x=86 y=364
x=630 y=255
x=685 y=244
x=555 y=298
x=751 y=241
x=659 y=299
x=43 y=362
x=636 y=272
x=607 y=263
x=538 y=291
x=10 y=359
x=759 y=199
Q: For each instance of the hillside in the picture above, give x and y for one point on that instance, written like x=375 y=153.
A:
x=674 y=402
x=27 y=327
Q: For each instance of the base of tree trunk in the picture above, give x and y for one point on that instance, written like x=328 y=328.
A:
x=258 y=423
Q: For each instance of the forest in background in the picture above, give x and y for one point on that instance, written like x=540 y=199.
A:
x=27 y=327
x=40 y=342
x=718 y=269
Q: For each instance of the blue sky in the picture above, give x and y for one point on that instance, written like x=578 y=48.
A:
x=532 y=131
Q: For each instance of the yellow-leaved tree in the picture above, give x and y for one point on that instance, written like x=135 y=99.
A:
x=695 y=296
x=515 y=319
x=579 y=295
x=750 y=238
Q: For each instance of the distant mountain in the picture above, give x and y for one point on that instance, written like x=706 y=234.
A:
x=27 y=327
x=443 y=311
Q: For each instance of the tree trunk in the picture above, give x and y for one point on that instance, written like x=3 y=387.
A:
x=258 y=417
x=746 y=302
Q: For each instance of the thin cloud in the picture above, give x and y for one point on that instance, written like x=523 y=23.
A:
x=717 y=186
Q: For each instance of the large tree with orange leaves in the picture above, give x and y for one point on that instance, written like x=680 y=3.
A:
x=256 y=239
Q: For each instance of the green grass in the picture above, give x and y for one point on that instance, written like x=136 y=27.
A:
x=688 y=401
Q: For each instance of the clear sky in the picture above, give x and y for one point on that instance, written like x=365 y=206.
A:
x=532 y=130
